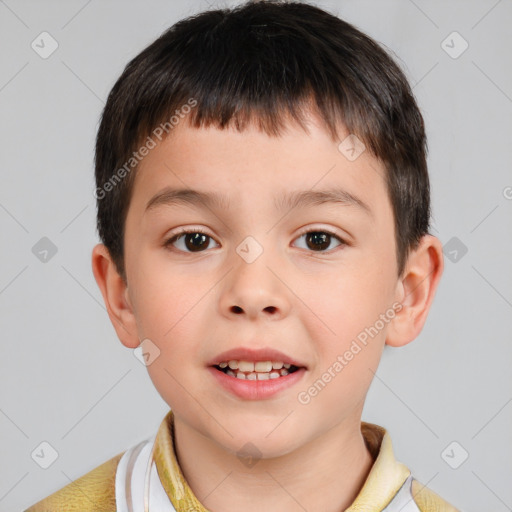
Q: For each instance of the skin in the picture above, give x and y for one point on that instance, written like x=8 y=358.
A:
x=307 y=303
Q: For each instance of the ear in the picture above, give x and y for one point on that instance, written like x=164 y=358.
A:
x=115 y=296
x=415 y=291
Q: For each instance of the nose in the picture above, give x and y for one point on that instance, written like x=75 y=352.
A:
x=238 y=309
x=254 y=290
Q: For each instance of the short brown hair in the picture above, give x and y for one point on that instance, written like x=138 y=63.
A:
x=265 y=61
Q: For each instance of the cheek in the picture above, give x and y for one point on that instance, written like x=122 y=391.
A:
x=347 y=327
x=168 y=314
x=350 y=347
x=348 y=302
x=170 y=311
x=163 y=298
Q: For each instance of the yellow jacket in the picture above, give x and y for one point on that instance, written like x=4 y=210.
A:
x=147 y=478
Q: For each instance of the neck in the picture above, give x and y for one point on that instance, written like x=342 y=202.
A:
x=324 y=475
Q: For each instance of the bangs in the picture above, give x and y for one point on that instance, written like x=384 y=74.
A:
x=246 y=71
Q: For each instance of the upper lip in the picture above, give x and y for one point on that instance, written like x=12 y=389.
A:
x=253 y=355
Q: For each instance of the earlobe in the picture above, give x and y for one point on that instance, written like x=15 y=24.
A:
x=416 y=290
x=115 y=296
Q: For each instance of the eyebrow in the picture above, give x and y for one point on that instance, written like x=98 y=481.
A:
x=286 y=201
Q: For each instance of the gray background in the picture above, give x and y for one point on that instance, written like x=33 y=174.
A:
x=65 y=377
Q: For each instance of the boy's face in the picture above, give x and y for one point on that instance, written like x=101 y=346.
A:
x=308 y=297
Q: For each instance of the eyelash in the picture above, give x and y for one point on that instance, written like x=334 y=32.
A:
x=175 y=237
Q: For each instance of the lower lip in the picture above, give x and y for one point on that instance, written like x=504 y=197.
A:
x=256 y=389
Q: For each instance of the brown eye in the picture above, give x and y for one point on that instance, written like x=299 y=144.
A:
x=190 y=241
x=319 y=241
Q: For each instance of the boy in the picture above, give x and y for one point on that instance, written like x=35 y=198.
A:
x=263 y=203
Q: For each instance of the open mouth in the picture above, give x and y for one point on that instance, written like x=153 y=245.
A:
x=258 y=375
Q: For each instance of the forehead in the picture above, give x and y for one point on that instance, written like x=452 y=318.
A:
x=218 y=168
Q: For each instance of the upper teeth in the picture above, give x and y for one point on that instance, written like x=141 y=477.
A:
x=259 y=366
